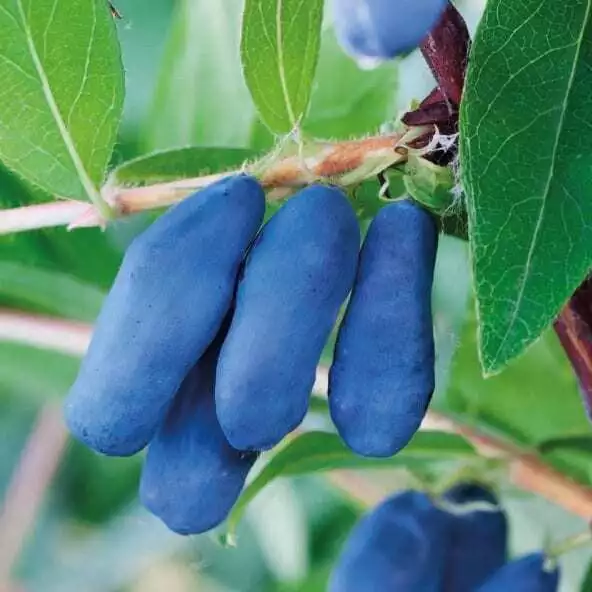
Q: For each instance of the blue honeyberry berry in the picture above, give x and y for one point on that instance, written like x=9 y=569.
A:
x=400 y=545
x=192 y=476
x=477 y=543
x=166 y=305
x=526 y=574
x=382 y=377
x=375 y=30
x=297 y=275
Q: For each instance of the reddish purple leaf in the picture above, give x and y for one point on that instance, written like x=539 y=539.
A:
x=446 y=51
x=574 y=328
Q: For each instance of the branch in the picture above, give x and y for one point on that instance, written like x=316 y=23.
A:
x=527 y=471
x=67 y=337
x=26 y=491
x=341 y=163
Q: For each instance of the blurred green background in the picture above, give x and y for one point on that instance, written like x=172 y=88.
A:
x=184 y=87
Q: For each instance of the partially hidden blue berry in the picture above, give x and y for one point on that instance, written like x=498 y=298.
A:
x=399 y=545
x=192 y=476
x=372 y=31
x=526 y=574
x=477 y=545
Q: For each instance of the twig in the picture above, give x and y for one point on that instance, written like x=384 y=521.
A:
x=577 y=541
x=527 y=471
x=47 y=215
x=26 y=491
x=342 y=163
x=363 y=491
x=67 y=337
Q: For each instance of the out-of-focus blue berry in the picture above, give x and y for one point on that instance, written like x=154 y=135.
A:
x=527 y=574
x=372 y=31
x=398 y=546
x=477 y=540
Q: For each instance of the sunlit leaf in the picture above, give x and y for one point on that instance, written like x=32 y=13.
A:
x=62 y=92
x=526 y=159
x=322 y=451
x=279 y=50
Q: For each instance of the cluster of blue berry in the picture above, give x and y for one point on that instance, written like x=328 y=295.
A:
x=457 y=543
x=206 y=349
x=207 y=345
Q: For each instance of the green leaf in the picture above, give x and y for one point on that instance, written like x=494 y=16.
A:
x=322 y=451
x=533 y=401
x=170 y=165
x=89 y=254
x=35 y=375
x=587 y=583
x=318 y=405
x=49 y=292
x=63 y=93
x=201 y=97
x=526 y=160
x=429 y=184
x=353 y=102
x=279 y=50
x=582 y=443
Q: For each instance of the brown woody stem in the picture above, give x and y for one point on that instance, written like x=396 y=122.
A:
x=527 y=470
x=340 y=163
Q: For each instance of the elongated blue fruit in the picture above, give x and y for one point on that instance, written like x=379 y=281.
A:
x=382 y=377
x=398 y=546
x=174 y=287
x=192 y=476
x=298 y=273
x=377 y=30
x=477 y=544
x=527 y=574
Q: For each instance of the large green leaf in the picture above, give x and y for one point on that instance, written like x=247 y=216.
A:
x=353 y=103
x=323 y=451
x=62 y=96
x=280 y=49
x=526 y=155
x=201 y=97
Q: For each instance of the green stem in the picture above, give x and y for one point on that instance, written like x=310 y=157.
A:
x=582 y=539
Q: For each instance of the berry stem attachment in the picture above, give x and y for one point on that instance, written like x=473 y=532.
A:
x=577 y=541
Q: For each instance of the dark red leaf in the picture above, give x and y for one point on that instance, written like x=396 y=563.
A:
x=446 y=50
x=574 y=328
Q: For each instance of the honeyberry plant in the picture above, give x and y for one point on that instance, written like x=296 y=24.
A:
x=415 y=257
